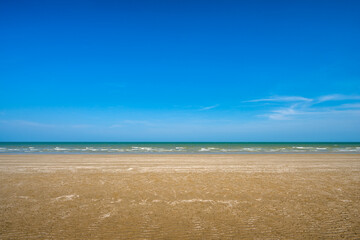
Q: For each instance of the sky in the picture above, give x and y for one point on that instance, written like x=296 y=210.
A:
x=180 y=70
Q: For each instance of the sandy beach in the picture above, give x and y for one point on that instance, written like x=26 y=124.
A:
x=219 y=196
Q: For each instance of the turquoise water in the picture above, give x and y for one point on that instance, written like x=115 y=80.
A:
x=174 y=147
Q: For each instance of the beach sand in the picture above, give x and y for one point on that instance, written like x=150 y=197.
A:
x=259 y=196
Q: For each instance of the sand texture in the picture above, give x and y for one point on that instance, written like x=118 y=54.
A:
x=259 y=196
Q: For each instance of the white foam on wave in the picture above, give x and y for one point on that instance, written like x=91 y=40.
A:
x=166 y=148
x=204 y=150
x=251 y=149
x=90 y=149
x=346 y=150
x=116 y=150
x=61 y=149
x=208 y=149
x=147 y=149
x=304 y=148
x=275 y=150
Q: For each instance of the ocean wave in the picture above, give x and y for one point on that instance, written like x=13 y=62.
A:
x=207 y=149
x=60 y=149
x=176 y=149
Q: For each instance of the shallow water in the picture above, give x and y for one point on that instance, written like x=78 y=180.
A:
x=174 y=148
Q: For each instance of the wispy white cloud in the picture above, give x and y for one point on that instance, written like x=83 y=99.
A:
x=350 y=105
x=283 y=114
x=209 y=107
x=282 y=99
x=291 y=113
x=302 y=106
x=337 y=97
x=331 y=97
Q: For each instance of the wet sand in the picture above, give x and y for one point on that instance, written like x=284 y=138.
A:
x=260 y=196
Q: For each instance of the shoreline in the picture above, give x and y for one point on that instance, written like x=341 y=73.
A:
x=186 y=154
x=178 y=148
x=181 y=162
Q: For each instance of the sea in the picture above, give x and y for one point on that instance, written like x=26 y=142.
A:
x=176 y=147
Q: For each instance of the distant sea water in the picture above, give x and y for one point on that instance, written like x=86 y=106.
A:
x=174 y=147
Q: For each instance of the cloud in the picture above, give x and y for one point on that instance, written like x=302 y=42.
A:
x=282 y=99
x=350 y=105
x=308 y=107
x=209 y=107
x=331 y=97
x=330 y=113
x=337 y=97
x=283 y=114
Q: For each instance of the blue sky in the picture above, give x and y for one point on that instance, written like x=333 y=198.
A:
x=180 y=71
